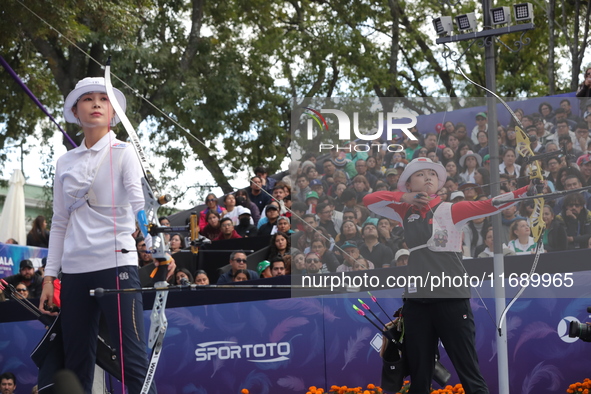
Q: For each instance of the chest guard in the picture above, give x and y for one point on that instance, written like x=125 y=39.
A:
x=446 y=237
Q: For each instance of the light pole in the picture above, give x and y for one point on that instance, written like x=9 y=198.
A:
x=487 y=36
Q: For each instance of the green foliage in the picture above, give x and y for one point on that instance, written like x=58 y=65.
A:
x=226 y=71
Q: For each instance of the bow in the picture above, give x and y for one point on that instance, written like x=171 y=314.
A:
x=149 y=223
x=535 y=221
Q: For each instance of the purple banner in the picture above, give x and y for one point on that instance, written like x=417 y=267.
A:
x=285 y=346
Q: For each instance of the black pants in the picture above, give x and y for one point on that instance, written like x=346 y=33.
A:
x=80 y=324
x=451 y=321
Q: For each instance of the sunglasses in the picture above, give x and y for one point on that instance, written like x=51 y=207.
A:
x=240 y=260
x=210 y=199
x=21 y=290
x=312 y=260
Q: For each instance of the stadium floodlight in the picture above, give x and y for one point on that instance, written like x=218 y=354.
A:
x=466 y=21
x=443 y=25
x=500 y=15
x=524 y=12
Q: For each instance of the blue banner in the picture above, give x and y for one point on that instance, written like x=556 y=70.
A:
x=12 y=255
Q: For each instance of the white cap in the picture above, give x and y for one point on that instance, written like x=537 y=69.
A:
x=242 y=211
x=401 y=252
x=418 y=164
x=456 y=194
x=89 y=85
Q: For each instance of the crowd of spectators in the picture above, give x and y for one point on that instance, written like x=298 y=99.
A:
x=315 y=218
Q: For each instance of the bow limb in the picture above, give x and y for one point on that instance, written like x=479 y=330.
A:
x=153 y=200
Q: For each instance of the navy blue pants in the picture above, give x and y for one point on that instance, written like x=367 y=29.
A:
x=451 y=321
x=80 y=323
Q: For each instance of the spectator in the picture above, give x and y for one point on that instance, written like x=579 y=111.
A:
x=267 y=183
x=508 y=165
x=27 y=276
x=201 y=278
x=489 y=250
x=361 y=187
x=303 y=239
x=163 y=220
x=311 y=202
x=392 y=176
x=212 y=230
x=481 y=125
x=241 y=276
x=7 y=383
x=361 y=168
x=585 y=88
x=471 y=191
x=314 y=264
x=38 y=236
x=299 y=261
x=482 y=179
x=303 y=186
x=508 y=216
x=227 y=230
x=349 y=233
x=443 y=193
x=371 y=248
x=271 y=216
x=287 y=261
x=324 y=213
x=577 y=220
x=361 y=264
x=545 y=110
x=255 y=191
x=350 y=253
x=278 y=267
x=462 y=135
x=242 y=199
x=237 y=262
x=177 y=243
x=284 y=225
x=473 y=234
x=11 y=241
x=144 y=256
x=230 y=205
x=211 y=202
x=582 y=137
x=374 y=168
x=457 y=196
x=469 y=163
x=264 y=269
x=572 y=182
x=584 y=163
x=387 y=237
x=521 y=240
x=401 y=258
x=327 y=257
x=21 y=291
x=182 y=277
x=554 y=236
x=245 y=229
x=280 y=245
x=511 y=139
x=329 y=170
x=553 y=165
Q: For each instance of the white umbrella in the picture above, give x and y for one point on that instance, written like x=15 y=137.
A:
x=12 y=220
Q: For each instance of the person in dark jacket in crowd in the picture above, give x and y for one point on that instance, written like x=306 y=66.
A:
x=577 y=220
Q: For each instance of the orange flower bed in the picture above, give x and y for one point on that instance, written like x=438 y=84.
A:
x=373 y=389
x=580 y=387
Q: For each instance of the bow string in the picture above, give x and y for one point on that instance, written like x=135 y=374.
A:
x=153 y=201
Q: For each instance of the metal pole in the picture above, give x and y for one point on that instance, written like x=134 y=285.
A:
x=499 y=290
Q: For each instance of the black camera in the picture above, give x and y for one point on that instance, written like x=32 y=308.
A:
x=580 y=330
